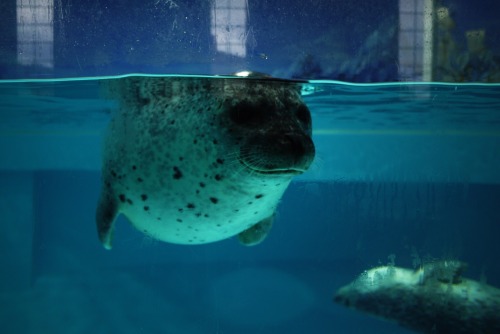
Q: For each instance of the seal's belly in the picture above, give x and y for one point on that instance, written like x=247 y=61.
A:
x=192 y=226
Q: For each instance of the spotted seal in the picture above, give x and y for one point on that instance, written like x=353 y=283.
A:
x=195 y=160
x=433 y=299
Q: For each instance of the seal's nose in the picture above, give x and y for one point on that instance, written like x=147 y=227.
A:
x=293 y=144
x=300 y=147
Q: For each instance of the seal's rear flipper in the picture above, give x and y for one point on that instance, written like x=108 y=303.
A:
x=255 y=234
x=107 y=210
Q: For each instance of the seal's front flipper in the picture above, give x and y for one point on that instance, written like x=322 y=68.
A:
x=258 y=232
x=107 y=210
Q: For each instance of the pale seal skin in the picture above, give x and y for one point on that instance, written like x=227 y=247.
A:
x=196 y=160
x=433 y=299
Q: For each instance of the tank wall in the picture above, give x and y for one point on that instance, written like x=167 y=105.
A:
x=355 y=41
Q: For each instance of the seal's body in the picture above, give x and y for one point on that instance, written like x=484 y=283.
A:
x=433 y=299
x=197 y=160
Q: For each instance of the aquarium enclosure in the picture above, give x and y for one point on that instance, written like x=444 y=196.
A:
x=186 y=120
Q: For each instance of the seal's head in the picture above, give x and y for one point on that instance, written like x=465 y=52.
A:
x=277 y=130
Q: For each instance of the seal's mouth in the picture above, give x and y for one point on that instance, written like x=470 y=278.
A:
x=271 y=171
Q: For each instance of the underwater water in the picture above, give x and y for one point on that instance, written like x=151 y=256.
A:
x=404 y=173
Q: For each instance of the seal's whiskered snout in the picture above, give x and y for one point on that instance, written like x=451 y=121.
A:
x=289 y=152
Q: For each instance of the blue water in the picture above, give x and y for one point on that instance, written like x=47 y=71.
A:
x=404 y=171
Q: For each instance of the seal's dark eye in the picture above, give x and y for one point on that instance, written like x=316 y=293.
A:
x=304 y=115
x=246 y=113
